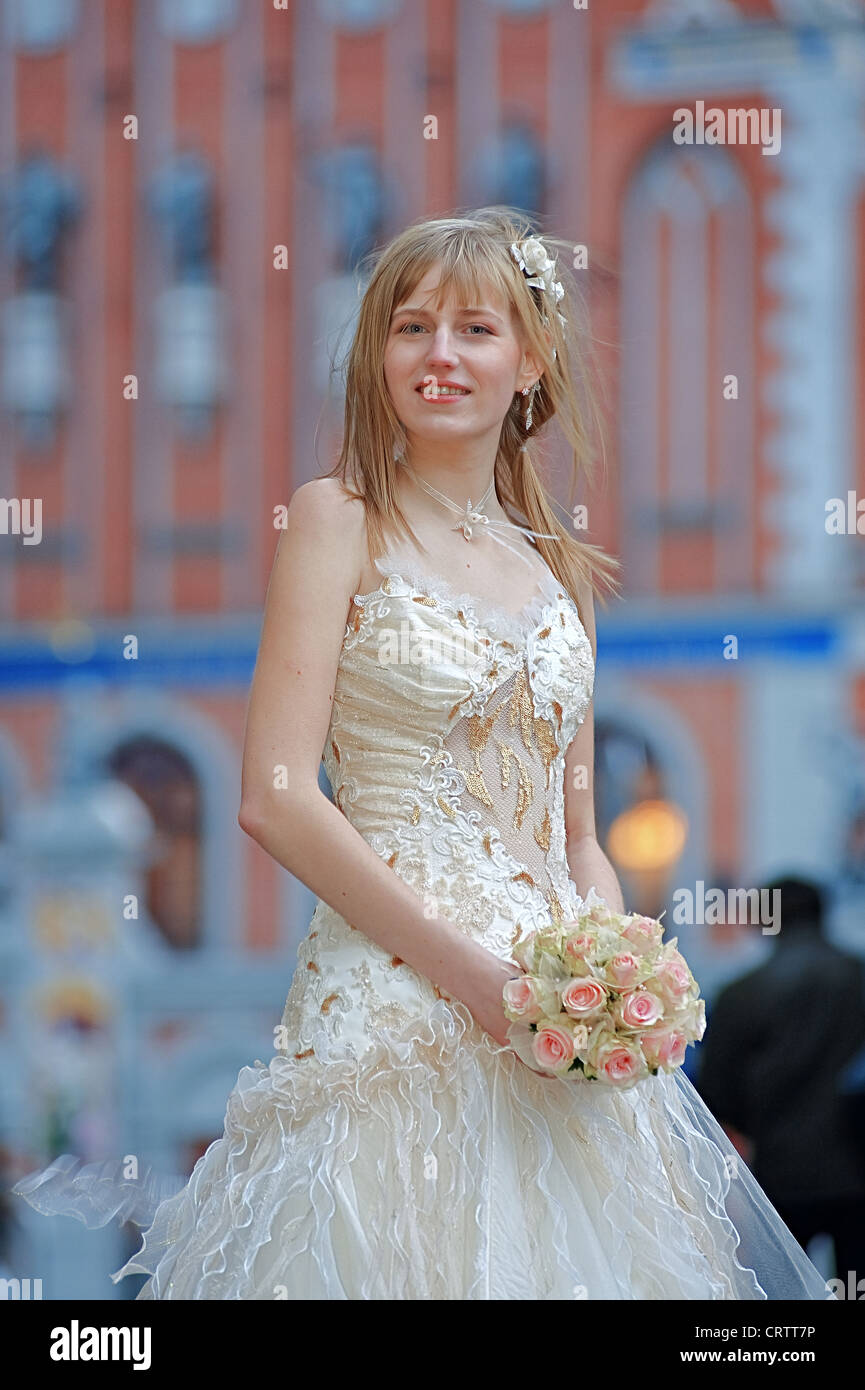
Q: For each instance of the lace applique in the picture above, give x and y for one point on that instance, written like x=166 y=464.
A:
x=482 y=612
x=381 y=1013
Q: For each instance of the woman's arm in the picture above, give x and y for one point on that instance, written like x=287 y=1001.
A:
x=586 y=860
x=315 y=574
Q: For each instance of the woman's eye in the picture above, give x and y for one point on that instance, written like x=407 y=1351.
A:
x=483 y=328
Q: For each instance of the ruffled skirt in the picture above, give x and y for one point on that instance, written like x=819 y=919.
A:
x=439 y=1166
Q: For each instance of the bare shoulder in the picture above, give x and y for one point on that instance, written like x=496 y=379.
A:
x=324 y=503
x=323 y=518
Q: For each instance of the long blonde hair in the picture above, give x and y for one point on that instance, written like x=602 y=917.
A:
x=472 y=248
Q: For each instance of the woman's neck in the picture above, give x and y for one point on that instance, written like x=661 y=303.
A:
x=460 y=481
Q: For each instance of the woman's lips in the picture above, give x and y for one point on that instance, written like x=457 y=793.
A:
x=447 y=397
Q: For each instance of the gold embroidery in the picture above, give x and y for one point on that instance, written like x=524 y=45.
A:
x=422 y=598
x=358 y=619
x=487 y=843
x=395 y=961
x=475 y=783
x=525 y=794
x=311 y=965
x=507 y=754
x=547 y=746
x=545 y=632
x=392 y=860
x=299 y=1056
x=415 y=815
x=448 y=810
x=523 y=877
x=558 y=709
x=521 y=709
x=326 y=1003
x=479 y=730
x=555 y=907
x=543 y=831
x=517 y=933
x=336 y=753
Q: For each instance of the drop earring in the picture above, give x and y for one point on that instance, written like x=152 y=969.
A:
x=531 y=402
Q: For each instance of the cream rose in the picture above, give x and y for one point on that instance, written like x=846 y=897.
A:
x=536 y=256
x=599 y=915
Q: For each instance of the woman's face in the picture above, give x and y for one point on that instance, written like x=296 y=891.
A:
x=475 y=348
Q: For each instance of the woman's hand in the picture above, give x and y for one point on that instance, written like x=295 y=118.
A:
x=483 y=997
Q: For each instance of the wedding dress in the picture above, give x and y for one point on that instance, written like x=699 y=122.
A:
x=391 y=1149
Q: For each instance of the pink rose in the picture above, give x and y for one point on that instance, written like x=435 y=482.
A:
x=665 y=1048
x=522 y=1000
x=644 y=933
x=641 y=1009
x=623 y=970
x=553 y=1048
x=583 y=997
x=618 y=1063
x=672 y=978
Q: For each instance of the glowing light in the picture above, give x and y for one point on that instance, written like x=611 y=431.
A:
x=650 y=835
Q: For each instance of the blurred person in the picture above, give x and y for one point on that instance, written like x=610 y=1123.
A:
x=778 y=1040
x=397 y=1147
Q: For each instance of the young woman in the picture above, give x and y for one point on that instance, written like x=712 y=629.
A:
x=429 y=631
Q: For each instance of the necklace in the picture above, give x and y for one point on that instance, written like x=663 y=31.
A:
x=471 y=516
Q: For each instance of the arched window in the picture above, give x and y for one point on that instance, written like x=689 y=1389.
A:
x=639 y=824
x=167 y=784
x=688 y=329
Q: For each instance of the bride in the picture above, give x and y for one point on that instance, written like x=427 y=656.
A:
x=439 y=654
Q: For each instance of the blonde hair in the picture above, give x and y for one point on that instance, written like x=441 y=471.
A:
x=473 y=248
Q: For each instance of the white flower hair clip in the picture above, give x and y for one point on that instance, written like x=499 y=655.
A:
x=539 y=269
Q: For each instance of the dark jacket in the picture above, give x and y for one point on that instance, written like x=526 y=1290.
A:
x=775 y=1043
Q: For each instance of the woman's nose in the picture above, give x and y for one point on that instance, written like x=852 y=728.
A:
x=442 y=347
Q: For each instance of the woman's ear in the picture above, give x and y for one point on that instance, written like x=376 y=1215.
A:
x=532 y=369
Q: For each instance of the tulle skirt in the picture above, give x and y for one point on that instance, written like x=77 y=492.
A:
x=439 y=1166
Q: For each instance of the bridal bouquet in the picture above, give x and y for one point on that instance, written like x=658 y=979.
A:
x=604 y=999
